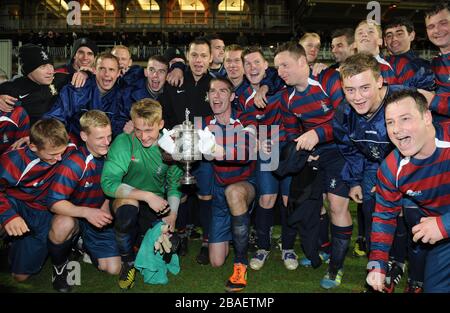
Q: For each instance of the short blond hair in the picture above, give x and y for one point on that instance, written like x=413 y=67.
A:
x=148 y=109
x=93 y=118
x=48 y=132
x=307 y=35
x=358 y=63
x=371 y=22
x=117 y=47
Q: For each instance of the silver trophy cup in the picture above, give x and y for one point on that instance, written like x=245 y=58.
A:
x=186 y=148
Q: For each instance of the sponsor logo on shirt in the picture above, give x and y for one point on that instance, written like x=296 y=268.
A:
x=413 y=193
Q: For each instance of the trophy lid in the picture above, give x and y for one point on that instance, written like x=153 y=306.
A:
x=187 y=122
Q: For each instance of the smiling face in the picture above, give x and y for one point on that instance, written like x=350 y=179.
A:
x=107 y=72
x=42 y=75
x=368 y=38
x=438 y=30
x=220 y=97
x=84 y=57
x=233 y=65
x=217 y=51
x=156 y=73
x=312 y=48
x=49 y=153
x=199 y=57
x=291 y=69
x=398 y=40
x=124 y=57
x=97 y=140
x=147 y=134
x=409 y=129
x=363 y=92
x=255 y=67
x=340 y=48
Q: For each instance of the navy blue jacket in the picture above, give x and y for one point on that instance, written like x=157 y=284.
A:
x=73 y=102
x=363 y=141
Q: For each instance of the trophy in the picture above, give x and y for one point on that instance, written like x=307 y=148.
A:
x=186 y=148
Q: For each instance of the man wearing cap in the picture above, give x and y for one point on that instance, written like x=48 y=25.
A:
x=37 y=89
x=83 y=55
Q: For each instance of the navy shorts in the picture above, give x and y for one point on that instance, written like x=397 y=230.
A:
x=268 y=183
x=331 y=163
x=29 y=251
x=369 y=181
x=99 y=242
x=437 y=268
x=203 y=172
x=220 y=227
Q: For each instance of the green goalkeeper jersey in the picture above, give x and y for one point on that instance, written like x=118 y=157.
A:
x=143 y=168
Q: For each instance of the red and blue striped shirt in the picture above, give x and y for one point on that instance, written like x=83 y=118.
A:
x=13 y=126
x=77 y=179
x=239 y=142
x=314 y=107
x=426 y=183
x=25 y=177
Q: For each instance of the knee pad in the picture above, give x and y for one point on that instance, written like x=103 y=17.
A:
x=126 y=218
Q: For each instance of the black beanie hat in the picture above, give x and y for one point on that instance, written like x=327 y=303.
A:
x=32 y=56
x=84 y=42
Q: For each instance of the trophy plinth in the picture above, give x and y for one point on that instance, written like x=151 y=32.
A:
x=186 y=148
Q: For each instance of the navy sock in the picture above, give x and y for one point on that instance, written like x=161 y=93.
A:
x=264 y=220
x=182 y=216
x=204 y=207
x=59 y=253
x=288 y=233
x=240 y=227
x=368 y=207
x=125 y=229
x=360 y=220
x=340 y=241
x=324 y=233
x=399 y=245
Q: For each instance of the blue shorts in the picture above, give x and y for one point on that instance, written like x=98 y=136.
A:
x=28 y=252
x=437 y=268
x=268 y=183
x=331 y=163
x=204 y=173
x=369 y=181
x=99 y=242
x=220 y=227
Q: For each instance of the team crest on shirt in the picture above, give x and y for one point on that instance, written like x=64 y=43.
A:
x=260 y=116
x=333 y=183
x=159 y=170
x=88 y=185
x=325 y=108
x=375 y=152
x=53 y=90
x=413 y=193
x=5 y=138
